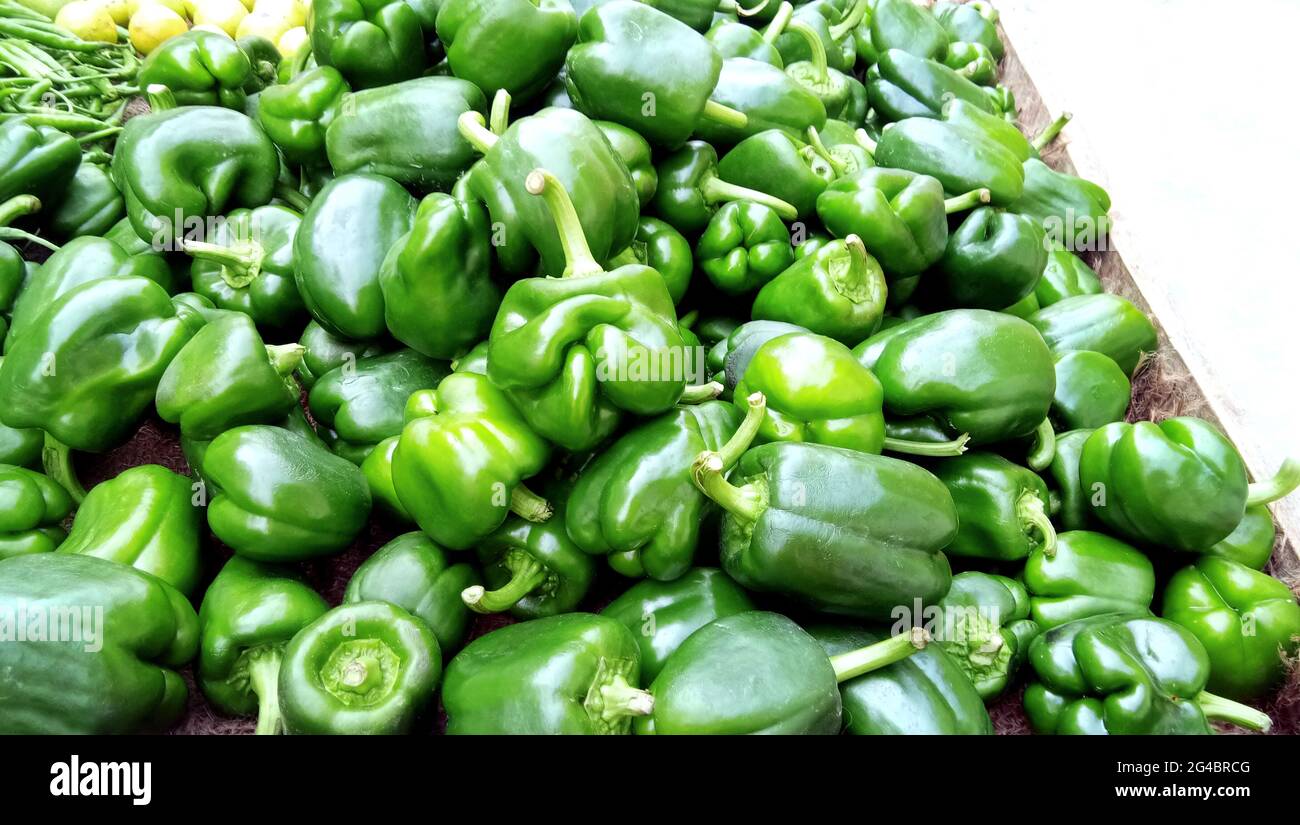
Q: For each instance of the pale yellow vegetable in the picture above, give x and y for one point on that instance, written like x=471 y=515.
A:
x=292 y=10
x=152 y=25
x=227 y=14
x=88 y=21
x=292 y=41
x=211 y=27
x=263 y=25
x=119 y=10
x=177 y=6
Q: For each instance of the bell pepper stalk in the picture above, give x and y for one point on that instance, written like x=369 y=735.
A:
x=815 y=73
x=241 y=262
x=160 y=97
x=851 y=19
x=56 y=460
x=1050 y=132
x=854 y=663
x=969 y=200
x=1285 y=481
x=742 y=11
x=15 y=208
x=710 y=467
x=782 y=19
x=527 y=573
x=1223 y=709
x=864 y=140
x=815 y=141
x=1033 y=515
x=499 y=114
x=1044 y=447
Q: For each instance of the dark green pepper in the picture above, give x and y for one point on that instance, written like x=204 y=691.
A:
x=371 y=42
x=1087 y=574
x=663 y=249
x=780 y=166
x=516 y=45
x=993 y=260
x=636 y=154
x=986 y=629
x=767 y=96
x=838 y=291
x=37 y=160
x=325 y=352
x=745 y=245
x=32 y=509
x=264 y=59
x=298 y=113
x=902 y=24
x=1104 y=323
x=692 y=189
x=1073 y=211
x=1074 y=513
x=960 y=157
x=1091 y=390
x=972 y=61
x=1251 y=542
x=90 y=206
x=1002 y=507
x=974 y=22
x=246 y=265
x=378 y=470
x=201 y=68
x=902 y=86
x=1065 y=276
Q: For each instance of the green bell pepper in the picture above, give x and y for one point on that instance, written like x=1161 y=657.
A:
x=663 y=614
x=362 y=668
x=1087 y=574
x=830 y=26
x=225 y=377
x=249 y=613
x=276 y=496
x=731 y=356
x=516 y=45
x=637 y=66
x=782 y=167
x=1104 y=323
x=158 y=533
x=420 y=577
x=745 y=245
x=370 y=42
x=201 y=68
x=986 y=629
x=90 y=206
x=406 y=131
x=924 y=694
x=905 y=25
x=758 y=672
x=1118 y=675
x=325 y=352
x=637 y=155
x=663 y=249
x=902 y=85
x=1065 y=276
x=362 y=404
x=264 y=59
x=807 y=521
x=767 y=96
x=246 y=265
x=972 y=61
x=960 y=157
x=571 y=351
x=1091 y=390
x=377 y=467
x=32 y=509
x=89 y=365
x=814 y=72
x=117 y=672
x=1073 y=211
x=20 y=447
x=575 y=673
x=636 y=504
x=1248 y=621
x=1074 y=512
x=734 y=39
x=37 y=160
x=972 y=370
x=692 y=189
x=439 y=297
x=297 y=114
x=838 y=291
x=974 y=22
x=340 y=247
x=993 y=260
x=576 y=150
x=1251 y=541
x=459 y=465
x=1001 y=507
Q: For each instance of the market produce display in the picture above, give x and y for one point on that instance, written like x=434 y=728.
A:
x=615 y=367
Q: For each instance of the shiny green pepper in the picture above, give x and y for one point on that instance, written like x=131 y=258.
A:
x=1001 y=507
x=246 y=265
x=986 y=629
x=202 y=68
x=1091 y=390
x=838 y=291
x=32 y=508
x=745 y=245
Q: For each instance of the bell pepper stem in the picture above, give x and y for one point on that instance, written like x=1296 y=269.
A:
x=715 y=189
x=707 y=471
x=746 y=432
x=816 y=48
x=529 y=506
x=285 y=358
x=292 y=197
x=1033 y=516
x=985 y=10
x=473 y=128
x=17 y=207
x=1217 y=707
x=160 y=97
x=933 y=449
x=577 y=254
x=967 y=201
x=622 y=699
x=851 y=19
x=777 y=27
x=13 y=233
x=1282 y=483
x=1044 y=448
x=699 y=393
x=241 y=262
x=742 y=11
x=724 y=115
x=873 y=657
x=688 y=320
x=499 y=116
x=526 y=575
x=264 y=681
x=1051 y=131
x=815 y=141
x=56 y=459
x=864 y=140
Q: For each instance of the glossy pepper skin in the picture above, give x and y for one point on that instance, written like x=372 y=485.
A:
x=692 y=189
x=570 y=351
x=570 y=674
x=1119 y=675
x=371 y=42
x=1091 y=390
x=1087 y=574
x=417 y=575
x=792 y=503
x=663 y=249
x=838 y=291
x=993 y=259
x=973 y=61
x=179 y=166
x=340 y=247
x=1063 y=472
x=1248 y=622
x=975 y=22
x=1002 y=507
x=462 y=456
x=364 y=404
x=377 y=467
x=767 y=96
x=636 y=503
x=730 y=357
x=745 y=245
x=986 y=629
x=902 y=24
x=201 y=68
x=249 y=613
x=275 y=496
x=1178 y=483
x=972 y=370
x=1065 y=204
x=960 y=157
x=119 y=677
x=516 y=45
x=902 y=85
x=90 y=206
x=406 y=132
x=1105 y=323
x=111 y=341
x=439 y=297
x=362 y=668
x=37 y=160
x=1251 y=542
x=1065 y=276
x=326 y=351
x=636 y=154
x=924 y=694
x=574 y=149
x=246 y=265
x=663 y=614
x=225 y=377
x=32 y=509
x=637 y=66
x=781 y=166
x=297 y=114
